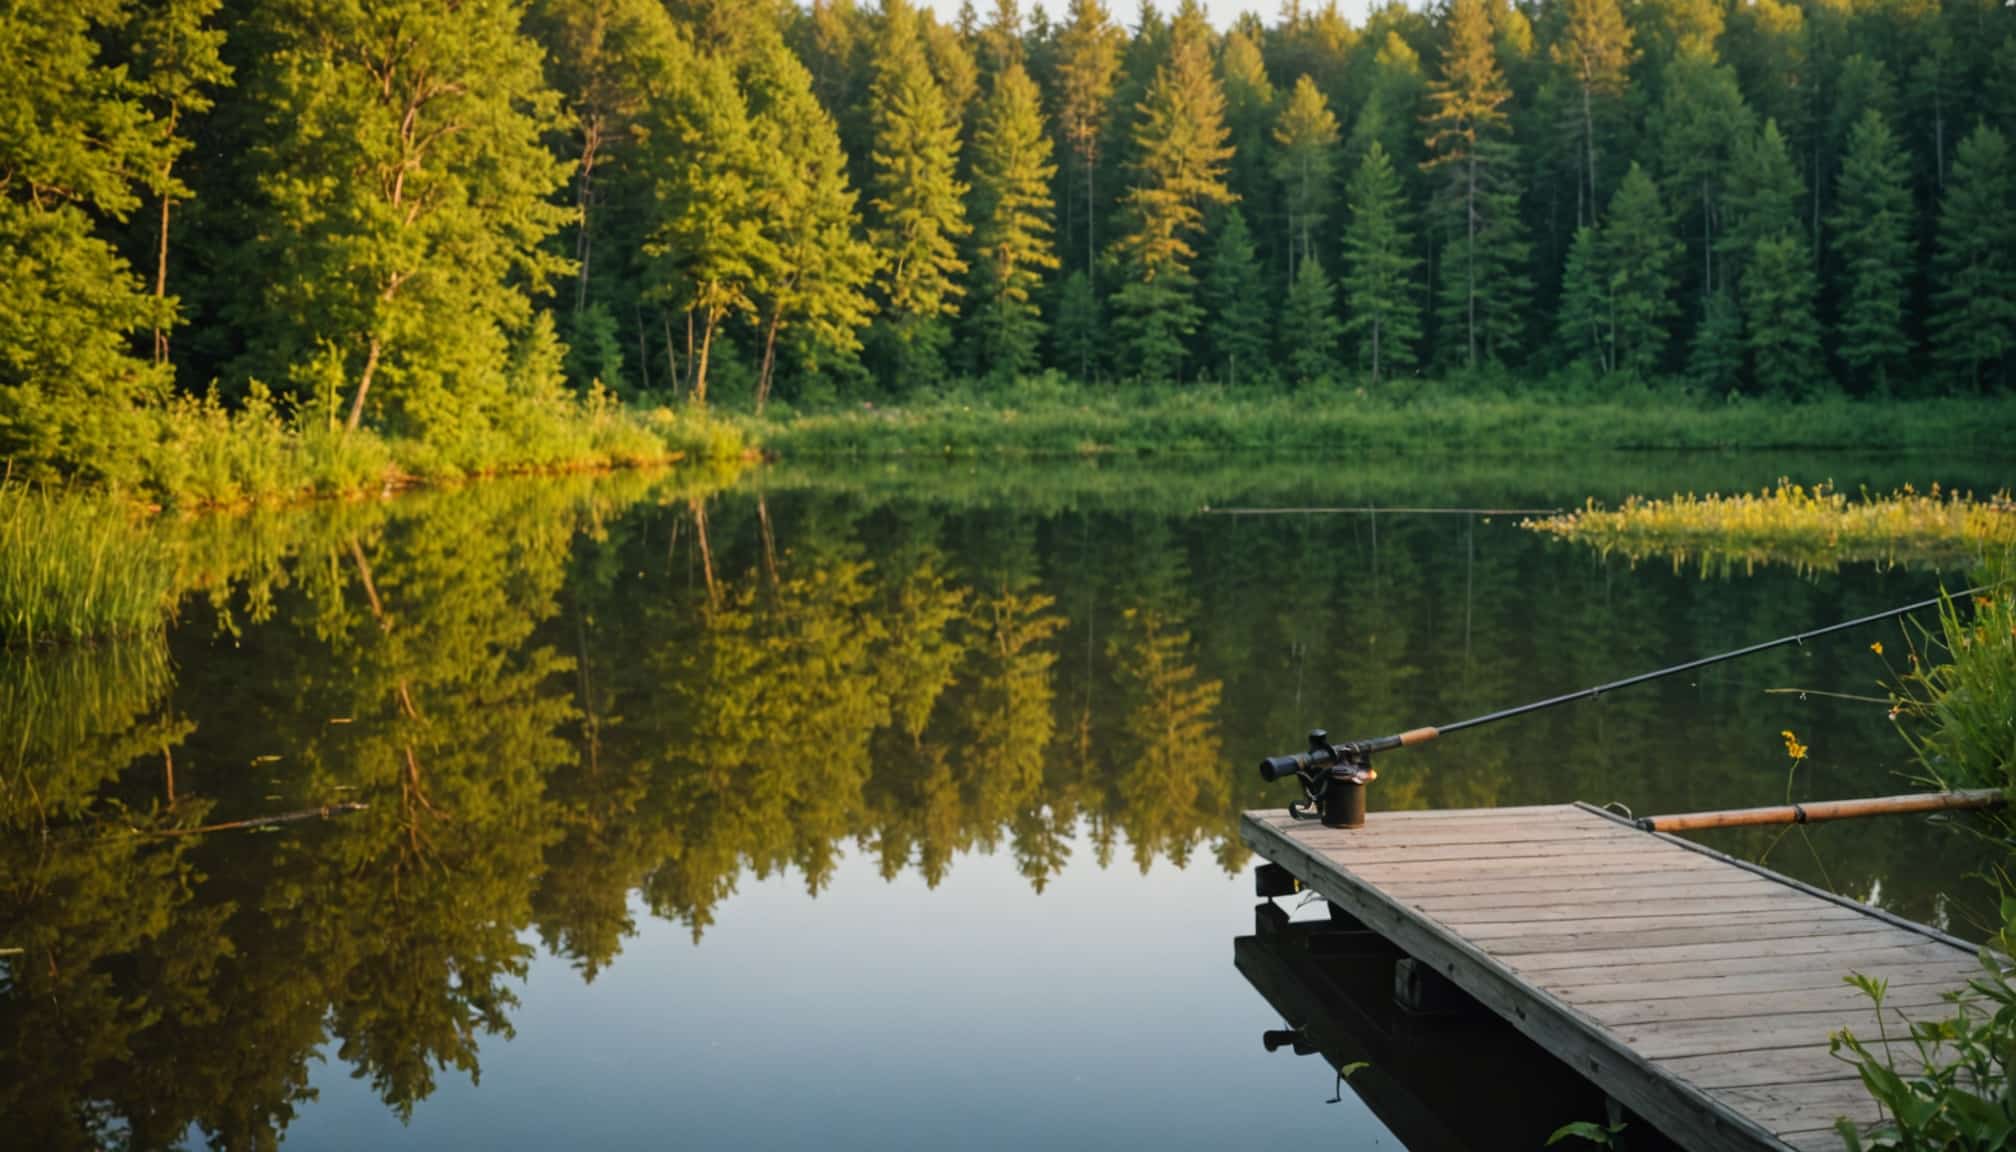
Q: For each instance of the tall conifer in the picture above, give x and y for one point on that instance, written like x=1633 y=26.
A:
x=1872 y=234
x=1380 y=305
x=1305 y=163
x=1011 y=214
x=1974 y=272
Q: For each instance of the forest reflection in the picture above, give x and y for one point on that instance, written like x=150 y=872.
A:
x=556 y=695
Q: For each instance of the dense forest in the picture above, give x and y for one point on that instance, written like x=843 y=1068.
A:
x=425 y=217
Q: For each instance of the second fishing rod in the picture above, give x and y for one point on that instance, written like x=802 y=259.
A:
x=1333 y=776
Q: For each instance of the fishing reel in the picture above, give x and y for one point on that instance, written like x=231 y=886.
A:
x=1333 y=779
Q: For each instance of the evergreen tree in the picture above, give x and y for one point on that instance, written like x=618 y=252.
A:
x=1074 y=326
x=813 y=286
x=1011 y=210
x=404 y=197
x=1715 y=362
x=1701 y=117
x=1595 y=51
x=1249 y=112
x=1237 y=299
x=1639 y=251
x=1872 y=227
x=1974 y=271
x=1764 y=195
x=1179 y=170
x=1310 y=329
x=1583 y=321
x=1379 y=262
x=1088 y=59
x=1305 y=163
x=75 y=144
x=1484 y=285
x=1780 y=328
x=918 y=202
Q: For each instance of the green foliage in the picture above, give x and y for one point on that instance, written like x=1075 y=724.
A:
x=1588 y=1131
x=1715 y=362
x=1872 y=225
x=1381 y=311
x=1957 y=1097
x=1974 y=330
x=1075 y=326
x=402 y=191
x=1585 y=313
x=1638 y=252
x=1238 y=302
x=1310 y=330
x=1011 y=195
x=1779 y=325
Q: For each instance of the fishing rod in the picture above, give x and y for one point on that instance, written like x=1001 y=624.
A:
x=1333 y=776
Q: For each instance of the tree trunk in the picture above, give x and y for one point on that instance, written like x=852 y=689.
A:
x=1470 y=259
x=161 y=253
x=363 y=386
x=591 y=142
x=699 y=507
x=1589 y=139
x=699 y=389
x=769 y=357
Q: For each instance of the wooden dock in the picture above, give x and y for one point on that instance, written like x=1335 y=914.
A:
x=1697 y=990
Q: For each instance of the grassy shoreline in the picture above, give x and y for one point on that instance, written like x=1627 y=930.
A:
x=1065 y=421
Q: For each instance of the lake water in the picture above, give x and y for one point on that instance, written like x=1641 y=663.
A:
x=850 y=806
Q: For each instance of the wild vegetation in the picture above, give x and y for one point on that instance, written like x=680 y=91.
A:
x=76 y=568
x=1811 y=528
x=296 y=224
x=1952 y=699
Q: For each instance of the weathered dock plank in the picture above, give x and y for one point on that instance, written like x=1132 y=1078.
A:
x=1699 y=991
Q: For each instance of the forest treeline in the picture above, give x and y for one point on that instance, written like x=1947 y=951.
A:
x=434 y=218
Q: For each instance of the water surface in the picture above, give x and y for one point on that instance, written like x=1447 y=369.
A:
x=876 y=805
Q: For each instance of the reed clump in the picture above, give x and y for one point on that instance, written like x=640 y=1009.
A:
x=1955 y=699
x=1815 y=528
x=77 y=568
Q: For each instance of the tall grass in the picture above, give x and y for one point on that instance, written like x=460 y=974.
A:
x=1810 y=528
x=76 y=568
x=1955 y=701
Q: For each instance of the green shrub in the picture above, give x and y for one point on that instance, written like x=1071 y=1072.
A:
x=1956 y=700
x=1960 y=1097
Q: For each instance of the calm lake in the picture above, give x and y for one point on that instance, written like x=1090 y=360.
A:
x=859 y=806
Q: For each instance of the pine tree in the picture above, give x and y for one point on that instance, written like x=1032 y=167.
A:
x=1595 y=51
x=1764 y=195
x=1310 y=329
x=1715 y=362
x=1780 y=329
x=1974 y=271
x=76 y=144
x=812 y=289
x=1305 y=162
x=404 y=198
x=1701 y=117
x=1075 y=327
x=1179 y=170
x=1381 y=309
x=1583 y=323
x=1249 y=111
x=1088 y=51
x=1484 y=286
x=1237 y=300
x=1639 y=251
x=1872 y=227
x=919 y=200
x=1011 y=211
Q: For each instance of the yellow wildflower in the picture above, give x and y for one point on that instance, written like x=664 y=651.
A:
x=1793 y=748
x=1877 y=647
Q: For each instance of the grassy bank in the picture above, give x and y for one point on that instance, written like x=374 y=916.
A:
x=1809 y=528
x=77 y=568
x=196 y=453
x=1050 y=418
